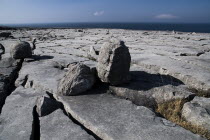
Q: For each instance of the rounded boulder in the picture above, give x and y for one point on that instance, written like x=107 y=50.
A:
x=77 y=80
x=21 y=50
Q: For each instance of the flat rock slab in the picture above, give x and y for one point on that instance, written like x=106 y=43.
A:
x=40 y=75
x=149 y=88
x=197 y=112
x=17 y=114
x=191 y=74
x=8 y=72
x=58 y=126
x=112 y=118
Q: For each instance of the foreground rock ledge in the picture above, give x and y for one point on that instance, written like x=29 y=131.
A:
x=116 y=119
x=59 y=127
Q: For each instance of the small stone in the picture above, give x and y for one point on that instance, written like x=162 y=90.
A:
x=78 y=79
x=114 y=62
x=93 y=53
x=21 y=50
x=197 y=112
x=45 y=106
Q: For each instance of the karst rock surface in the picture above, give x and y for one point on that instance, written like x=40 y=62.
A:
x=164 y=66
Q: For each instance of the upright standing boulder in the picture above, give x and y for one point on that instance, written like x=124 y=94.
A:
x=21 y=50
x=78 y=79
x=114 y=62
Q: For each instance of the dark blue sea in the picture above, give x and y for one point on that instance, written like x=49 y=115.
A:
x=202 y=28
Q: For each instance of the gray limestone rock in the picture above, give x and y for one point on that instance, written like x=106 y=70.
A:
x=58 y=126
x=148 y=88
x=114 y=62
x=21 y=50
x=9 y=68
x=92 y=54
x=112 y=118
x=78 y=79
x=197 y=112
x=46 y=105
x=16 y=120
x=40 y=75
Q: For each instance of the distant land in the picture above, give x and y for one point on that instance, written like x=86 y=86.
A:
x=182 y=27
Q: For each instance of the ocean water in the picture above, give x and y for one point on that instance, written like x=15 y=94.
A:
x=202 y=28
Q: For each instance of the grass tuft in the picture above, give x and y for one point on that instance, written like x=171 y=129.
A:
x=172 y=111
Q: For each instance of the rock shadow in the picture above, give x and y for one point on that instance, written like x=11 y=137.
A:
x=141 y=80
x=98 y=88
x=39 y=57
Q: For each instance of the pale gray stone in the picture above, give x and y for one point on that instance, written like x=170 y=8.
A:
x=112 y=118
x=16 y=120
x=58 y=126
x=40 y=75
x=9 y=68
x=114 y=62
x=77 y=80
x=46 y=105
x=197 y=112
x=148 y=88
x=21 y=50
x=93 y=53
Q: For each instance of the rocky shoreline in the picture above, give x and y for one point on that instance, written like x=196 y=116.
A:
x=164 y=96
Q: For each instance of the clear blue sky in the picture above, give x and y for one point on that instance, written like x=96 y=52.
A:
x=54 y=11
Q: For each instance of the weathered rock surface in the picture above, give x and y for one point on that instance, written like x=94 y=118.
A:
x=93 y=54
x=77 y=80
x=148 y=88
x=59 y=127
x=114 y=62
x=197 y=112
x=116 y=119
x=40 y=75
x=9 y=68
x=17 y=114
x=162 y=52
x=46 y=105
x=21 y=50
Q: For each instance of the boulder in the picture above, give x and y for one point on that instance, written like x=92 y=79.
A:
x=21 y=50
x=197 y=112
x=45 y=105
x=78 y=79
x=114 y=62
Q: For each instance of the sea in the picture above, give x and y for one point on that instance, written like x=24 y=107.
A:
x=182 y=27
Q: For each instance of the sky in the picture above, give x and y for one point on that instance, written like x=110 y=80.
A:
x=59 y=11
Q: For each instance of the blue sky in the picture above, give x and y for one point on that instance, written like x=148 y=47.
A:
x=55 y=11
